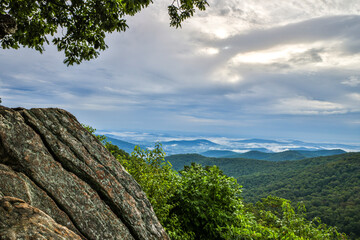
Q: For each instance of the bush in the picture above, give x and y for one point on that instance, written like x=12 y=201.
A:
x=205 y=200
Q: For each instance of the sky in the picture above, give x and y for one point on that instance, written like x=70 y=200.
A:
x=284 y=69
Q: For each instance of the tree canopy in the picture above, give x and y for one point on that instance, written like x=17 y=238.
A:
x=77 y=27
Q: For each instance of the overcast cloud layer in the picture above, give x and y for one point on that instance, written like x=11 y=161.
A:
x=245 y=68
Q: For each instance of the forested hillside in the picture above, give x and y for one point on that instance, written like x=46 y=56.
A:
x=330 y=190
x=231 y=166
x=329 y=186
x=203 y=203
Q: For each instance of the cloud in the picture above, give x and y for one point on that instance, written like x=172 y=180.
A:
x=355 y=96
x=209 y=51
x=304 y=106
x=352 y=81
x=355 y=122
x=320 y=34
x=236 y=16
x=296 y=53
x=310 y=56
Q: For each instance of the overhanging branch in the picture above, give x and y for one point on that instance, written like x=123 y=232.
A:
x=7 y=25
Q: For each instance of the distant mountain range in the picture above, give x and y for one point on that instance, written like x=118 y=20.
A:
x=256 y=140
x=233 y=148
x=190 y=143
x=169 y=146
x=279 y=156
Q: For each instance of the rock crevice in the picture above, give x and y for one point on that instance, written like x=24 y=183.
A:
x=19 y=185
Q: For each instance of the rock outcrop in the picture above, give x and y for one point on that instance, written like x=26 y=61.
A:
x=19 y=220
x=51 y=162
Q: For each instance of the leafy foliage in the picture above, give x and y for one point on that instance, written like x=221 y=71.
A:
x=203 y=203
x=154 y=175
x=78 y=27
x=277 y=219
x=158 y=180
x=92 y=130
x=209 y=197
x=184 y=9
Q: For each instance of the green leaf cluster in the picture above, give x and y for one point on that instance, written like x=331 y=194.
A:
x=180 y=10
x=155 y=176
x=77 y=27
x=205 y=201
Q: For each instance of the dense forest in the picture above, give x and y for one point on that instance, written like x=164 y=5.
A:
x=330 y=190
x=328 y=186
x=201 y=202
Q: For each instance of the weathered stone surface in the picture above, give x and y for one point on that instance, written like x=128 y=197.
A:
x=57 y=166
x=19 y=220
x=19 y=186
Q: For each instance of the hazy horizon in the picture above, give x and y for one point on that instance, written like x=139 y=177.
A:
x=160 y=136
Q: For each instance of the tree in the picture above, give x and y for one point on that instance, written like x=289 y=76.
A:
x=206 y=201
x=77 y=27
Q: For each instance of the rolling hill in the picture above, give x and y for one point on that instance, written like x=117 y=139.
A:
x=126 y=146
x=329 y=185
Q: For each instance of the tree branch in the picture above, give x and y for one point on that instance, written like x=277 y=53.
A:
x=7 y=25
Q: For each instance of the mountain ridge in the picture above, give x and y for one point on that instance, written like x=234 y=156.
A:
x=178 y=145
x=279 y=156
